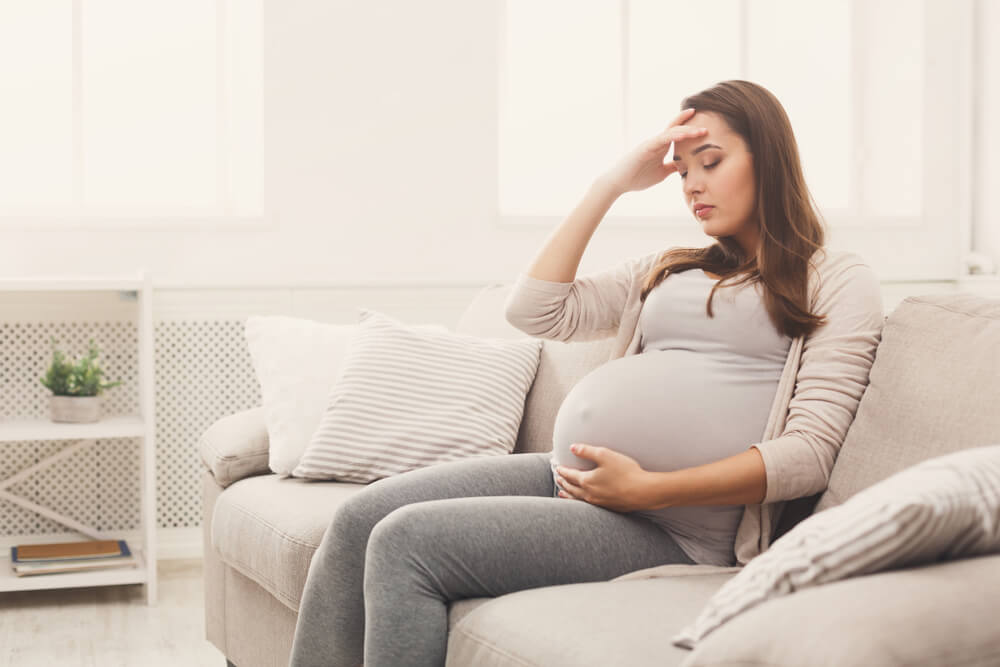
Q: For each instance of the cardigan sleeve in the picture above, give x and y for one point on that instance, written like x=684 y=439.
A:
x=832 y=376
x=588 y=308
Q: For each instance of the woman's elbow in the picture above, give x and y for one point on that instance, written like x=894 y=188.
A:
x=539 y=325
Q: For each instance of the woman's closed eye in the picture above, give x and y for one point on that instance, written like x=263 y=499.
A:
x=707 y=166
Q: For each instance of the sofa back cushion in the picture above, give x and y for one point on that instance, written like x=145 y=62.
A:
x=934 y=388
x=560 y=365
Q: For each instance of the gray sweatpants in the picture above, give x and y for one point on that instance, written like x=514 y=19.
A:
x=398 y=551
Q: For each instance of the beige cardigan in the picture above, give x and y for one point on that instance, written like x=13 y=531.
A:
x=824 y=376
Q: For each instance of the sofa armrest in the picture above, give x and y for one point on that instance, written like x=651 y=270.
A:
x=236 y=446
x=941 y=613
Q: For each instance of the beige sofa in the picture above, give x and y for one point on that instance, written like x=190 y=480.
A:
x=935 y=388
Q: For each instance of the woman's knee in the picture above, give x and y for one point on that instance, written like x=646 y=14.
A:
x=408 y=536
x=399 y=530
x=354 y=518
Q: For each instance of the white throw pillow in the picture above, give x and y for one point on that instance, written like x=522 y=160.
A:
x=943 y=508
x=408 y=398
x=296 y=361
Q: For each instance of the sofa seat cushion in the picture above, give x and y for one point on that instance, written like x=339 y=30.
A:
x=267 y=528
x=936 y=614
x=625 y=622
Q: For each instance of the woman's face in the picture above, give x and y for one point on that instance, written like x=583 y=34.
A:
x=717 y=169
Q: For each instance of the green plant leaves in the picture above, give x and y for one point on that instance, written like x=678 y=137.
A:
x=66 y=378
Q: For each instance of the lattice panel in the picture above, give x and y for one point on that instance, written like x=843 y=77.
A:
x=27 y=353
x=203 y=372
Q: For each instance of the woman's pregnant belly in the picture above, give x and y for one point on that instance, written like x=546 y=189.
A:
x=667 y=409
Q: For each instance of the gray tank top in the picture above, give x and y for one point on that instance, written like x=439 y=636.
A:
x=699 y=390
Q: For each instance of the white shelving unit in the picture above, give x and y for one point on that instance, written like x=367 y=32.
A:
x=131 y=426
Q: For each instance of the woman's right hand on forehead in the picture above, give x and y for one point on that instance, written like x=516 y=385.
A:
x=643 y=166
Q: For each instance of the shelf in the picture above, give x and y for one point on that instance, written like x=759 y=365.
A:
x=71 y=283
x=128 y=426
x=24 y=429
x=139 y=574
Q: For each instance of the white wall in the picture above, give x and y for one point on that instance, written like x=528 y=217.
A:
x=380 y=123
x=986 y=211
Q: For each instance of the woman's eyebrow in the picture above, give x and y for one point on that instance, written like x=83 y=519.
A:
x=703 y=147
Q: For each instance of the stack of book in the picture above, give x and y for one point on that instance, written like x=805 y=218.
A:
x=32 y=559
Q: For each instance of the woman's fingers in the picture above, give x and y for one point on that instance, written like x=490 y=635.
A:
x=644 y=165
x=568 y=488
x=678 y=133
x=682 y=132
x=681 y=117
x=677 y=130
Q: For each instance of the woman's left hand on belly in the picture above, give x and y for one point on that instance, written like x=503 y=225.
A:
x=618 y=482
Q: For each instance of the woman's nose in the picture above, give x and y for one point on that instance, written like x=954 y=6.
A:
x=692 y=185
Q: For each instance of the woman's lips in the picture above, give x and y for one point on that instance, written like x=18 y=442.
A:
x=704 y=212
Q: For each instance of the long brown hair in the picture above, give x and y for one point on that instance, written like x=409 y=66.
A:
x=784 y=212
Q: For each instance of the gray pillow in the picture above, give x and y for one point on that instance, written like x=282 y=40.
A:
x=408 y=397
x=943 y=508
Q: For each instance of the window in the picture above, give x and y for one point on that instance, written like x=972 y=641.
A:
x=880 y=110
x=130 y=111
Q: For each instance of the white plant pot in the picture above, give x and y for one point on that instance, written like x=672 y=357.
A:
x=76 y=409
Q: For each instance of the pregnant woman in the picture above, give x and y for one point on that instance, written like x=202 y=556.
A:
x=735 y=373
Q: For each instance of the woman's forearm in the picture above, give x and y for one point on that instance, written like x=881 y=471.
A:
x=560 y=256
x=737 y=480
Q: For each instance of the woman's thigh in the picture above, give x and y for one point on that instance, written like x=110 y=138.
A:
x=342 y=549
x=491 y=546
x=510 y=475
x=331 y=623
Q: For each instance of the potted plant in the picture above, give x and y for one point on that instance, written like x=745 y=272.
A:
x=76 y=386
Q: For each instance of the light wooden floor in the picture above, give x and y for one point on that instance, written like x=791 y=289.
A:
x=108 y=626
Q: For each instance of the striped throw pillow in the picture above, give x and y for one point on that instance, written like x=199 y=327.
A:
x=408 y=397
x=943 y=508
